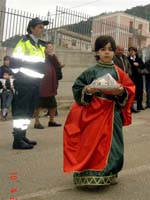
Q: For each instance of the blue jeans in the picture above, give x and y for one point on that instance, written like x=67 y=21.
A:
x=7 y=97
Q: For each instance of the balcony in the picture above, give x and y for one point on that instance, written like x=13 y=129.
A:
x=138 y=33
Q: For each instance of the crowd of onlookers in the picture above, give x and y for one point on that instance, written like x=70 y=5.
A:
x=139 y=73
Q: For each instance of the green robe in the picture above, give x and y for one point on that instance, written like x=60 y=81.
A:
x=115 y=160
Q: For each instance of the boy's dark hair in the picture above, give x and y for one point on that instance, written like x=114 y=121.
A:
x=49 y=42
x=6 y=58
x=132 y=48
x=103 y=40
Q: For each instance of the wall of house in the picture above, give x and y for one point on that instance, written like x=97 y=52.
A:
x=118 y=26
x=75 y=63
x=138 y=35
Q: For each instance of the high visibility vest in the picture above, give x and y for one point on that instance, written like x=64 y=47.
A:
x=30 y=56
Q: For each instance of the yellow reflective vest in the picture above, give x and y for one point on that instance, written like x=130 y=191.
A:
x=28 y=56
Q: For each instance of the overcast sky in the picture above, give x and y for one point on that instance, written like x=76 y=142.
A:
x=89 y=7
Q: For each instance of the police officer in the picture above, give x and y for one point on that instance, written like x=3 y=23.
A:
x=27 y=64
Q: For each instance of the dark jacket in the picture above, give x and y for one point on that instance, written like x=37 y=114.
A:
x=136 y=71
x=5 y=69
x=124 y=65
x=57 y=66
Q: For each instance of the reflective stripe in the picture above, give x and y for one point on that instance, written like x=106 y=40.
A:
x=31 y=73
x=11 y=81
x=21 y=123
x=28 y=72
x=28 y=58
x=15 y=71
x=3 y=81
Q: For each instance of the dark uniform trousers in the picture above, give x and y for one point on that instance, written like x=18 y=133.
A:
x=25 y=97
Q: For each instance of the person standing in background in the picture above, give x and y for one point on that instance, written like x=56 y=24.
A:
x=147 y=83
x=48 y=89
x=121 y=60
x=7 y=87
x=137 y=66
x=5 y=68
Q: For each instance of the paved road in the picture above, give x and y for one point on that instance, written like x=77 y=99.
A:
x=39 y=171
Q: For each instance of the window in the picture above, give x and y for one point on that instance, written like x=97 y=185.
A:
x=74 y=42
x=140 y=26
x=131 y=26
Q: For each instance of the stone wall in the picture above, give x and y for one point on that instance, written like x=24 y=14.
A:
x=75 y=63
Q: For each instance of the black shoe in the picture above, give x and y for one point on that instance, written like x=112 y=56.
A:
x=53 y=124
x=29 y=141
x=25 y=139
x=38 y=126
x=147 y=107
x=134 y=110
x=18 y=142
x=141 y=108
x=21 y=145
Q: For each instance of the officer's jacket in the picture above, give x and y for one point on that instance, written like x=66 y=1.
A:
x=29 y=57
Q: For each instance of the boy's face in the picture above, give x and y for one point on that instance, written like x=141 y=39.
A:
x=106 y=53
x=6 y=62
x=6 y=75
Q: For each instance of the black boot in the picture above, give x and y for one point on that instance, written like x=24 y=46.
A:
x=19 y=143
x=27 y=140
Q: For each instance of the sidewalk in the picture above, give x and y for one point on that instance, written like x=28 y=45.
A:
x=40 y=171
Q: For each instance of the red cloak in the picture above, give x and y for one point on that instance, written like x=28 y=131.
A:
x=88 y=130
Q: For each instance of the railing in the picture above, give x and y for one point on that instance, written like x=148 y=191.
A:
x=13 y=23
x=67 y=28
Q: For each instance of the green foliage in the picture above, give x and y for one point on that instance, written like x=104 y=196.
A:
x=140 y=11
x=83 y=27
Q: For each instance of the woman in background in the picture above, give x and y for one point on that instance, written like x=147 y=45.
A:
x=48 y=89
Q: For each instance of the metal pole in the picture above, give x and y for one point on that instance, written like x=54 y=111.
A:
x=55 y=29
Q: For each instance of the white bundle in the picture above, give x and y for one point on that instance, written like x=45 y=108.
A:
x=105 y=82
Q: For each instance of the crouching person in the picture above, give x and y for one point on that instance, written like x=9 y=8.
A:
x=6 y=85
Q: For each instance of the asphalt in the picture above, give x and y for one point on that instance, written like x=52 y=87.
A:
x=37 y=174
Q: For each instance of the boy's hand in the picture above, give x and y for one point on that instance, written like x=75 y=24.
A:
x=91 y=90
x=116 y=91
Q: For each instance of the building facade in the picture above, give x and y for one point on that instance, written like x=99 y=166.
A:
x=63 y=38
x=126 y=29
